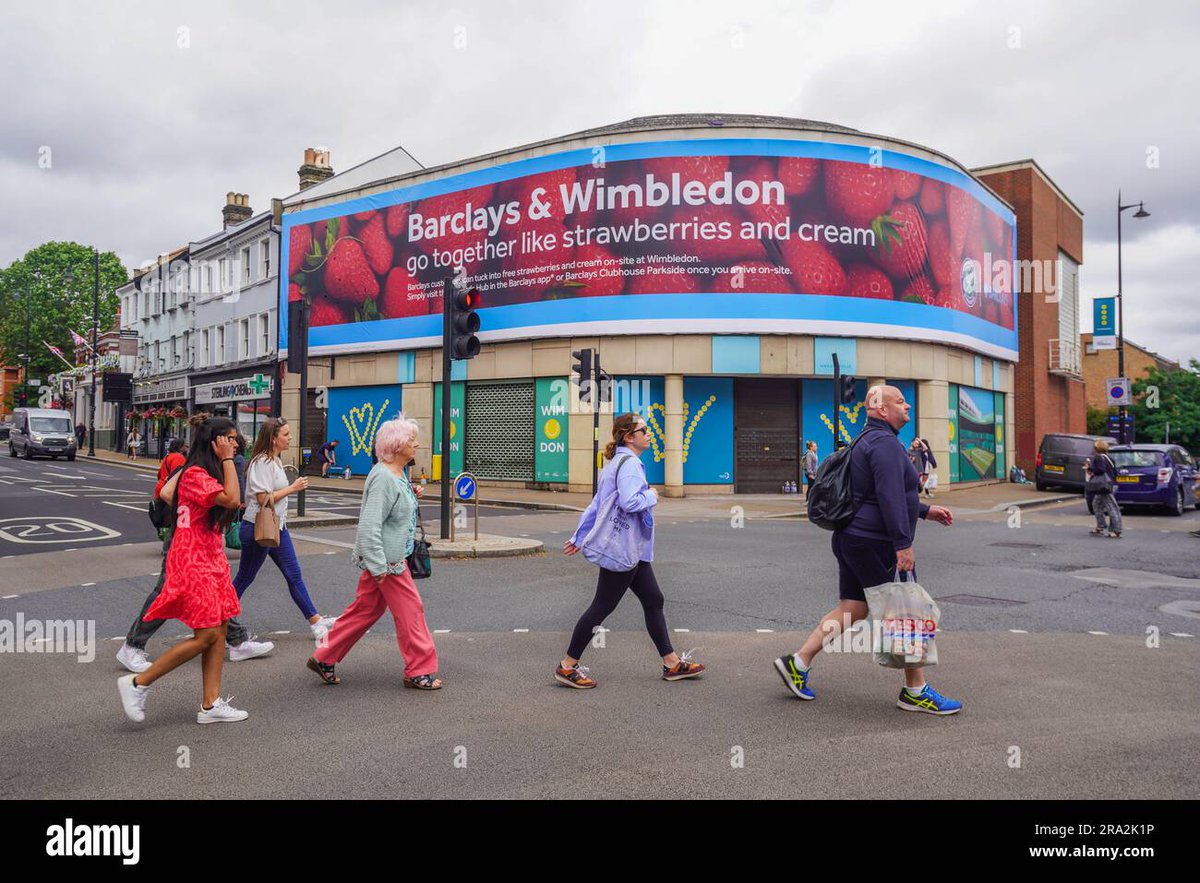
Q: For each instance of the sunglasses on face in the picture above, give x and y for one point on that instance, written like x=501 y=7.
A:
x=641 y=429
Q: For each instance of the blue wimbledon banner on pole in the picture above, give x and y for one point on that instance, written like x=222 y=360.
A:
x=1104 y=323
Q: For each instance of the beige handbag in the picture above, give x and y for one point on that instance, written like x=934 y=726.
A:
x=266 y=527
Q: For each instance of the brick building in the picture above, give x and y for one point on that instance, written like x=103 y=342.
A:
x=1100 y=365
x=1049 y=382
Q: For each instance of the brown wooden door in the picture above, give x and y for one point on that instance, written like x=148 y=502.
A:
x=766 y=433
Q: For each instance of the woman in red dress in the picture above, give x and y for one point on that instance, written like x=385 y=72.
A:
x=197 y=590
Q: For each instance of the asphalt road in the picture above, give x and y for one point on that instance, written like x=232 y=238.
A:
x=1078 y=651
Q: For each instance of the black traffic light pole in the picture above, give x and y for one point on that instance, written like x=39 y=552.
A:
x=444 y=476
x=837 y=403
x=300 y=343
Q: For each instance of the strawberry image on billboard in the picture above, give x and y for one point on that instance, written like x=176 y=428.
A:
x=668 y=242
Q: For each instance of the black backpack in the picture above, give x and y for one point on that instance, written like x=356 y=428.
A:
x=831 y=498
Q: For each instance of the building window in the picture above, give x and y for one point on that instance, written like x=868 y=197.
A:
x=244 y=340
x=203 y=359
x=264 y=331
x=219 y=356
x=246 y=274
x=264 y=248
x=1068 y=308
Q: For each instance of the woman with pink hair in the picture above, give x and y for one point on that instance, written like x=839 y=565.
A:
x=387 y=524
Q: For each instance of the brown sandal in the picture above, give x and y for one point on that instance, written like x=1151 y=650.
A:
x=325 y=672
x=423 y=682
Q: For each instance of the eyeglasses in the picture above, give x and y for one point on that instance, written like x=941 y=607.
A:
x=642 y=429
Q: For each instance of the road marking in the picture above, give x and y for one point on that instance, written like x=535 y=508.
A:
x=330 y=553
x=765 y=631
x=1182 y=608
x=136 y=507
x=281 y=632
x=117 y=638
x=520 y=631
x=1019 y=631
x=441 y=631
x=63 y=475
x=86 y=584
x=33 y=529
x=10 y=597
x=1173 y=634
x=1097 y=633
x=311 y=539
x=1164 y=531
x=10 y=556
x=681 y=631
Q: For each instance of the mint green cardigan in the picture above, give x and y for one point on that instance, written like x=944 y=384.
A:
x=387 y=523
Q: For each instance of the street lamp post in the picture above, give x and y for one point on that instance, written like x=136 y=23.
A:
x=69 y=278
x=1140 y=213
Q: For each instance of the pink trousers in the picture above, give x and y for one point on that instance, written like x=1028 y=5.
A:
x=395 y=592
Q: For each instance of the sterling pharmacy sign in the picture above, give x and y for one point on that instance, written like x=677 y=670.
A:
x=256 y=387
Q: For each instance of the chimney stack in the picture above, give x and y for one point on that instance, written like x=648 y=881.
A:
x=316 y=167
x=237 y=209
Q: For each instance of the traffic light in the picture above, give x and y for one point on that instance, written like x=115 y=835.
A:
x=583 y=367
x=464 y=323
x=20 y=397
x=846 y=394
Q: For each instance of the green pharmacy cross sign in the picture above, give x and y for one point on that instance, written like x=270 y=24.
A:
x=259 y=384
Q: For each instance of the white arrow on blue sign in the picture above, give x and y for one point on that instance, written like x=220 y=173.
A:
x=464 y=486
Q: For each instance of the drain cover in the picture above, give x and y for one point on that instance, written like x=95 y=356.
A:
x=979 y=600
x=1018 y=545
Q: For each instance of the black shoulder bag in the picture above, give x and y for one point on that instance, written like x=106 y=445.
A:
x=420 y=563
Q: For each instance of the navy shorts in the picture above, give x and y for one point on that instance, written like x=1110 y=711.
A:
x=862 y=563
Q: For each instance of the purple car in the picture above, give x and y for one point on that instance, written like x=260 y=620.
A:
x=1155 y=475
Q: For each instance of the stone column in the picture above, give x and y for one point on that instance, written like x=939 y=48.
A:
x=933 y=423
x=673 y=443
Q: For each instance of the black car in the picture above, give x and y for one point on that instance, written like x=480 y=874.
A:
x=1060 y=459
x=5 y=429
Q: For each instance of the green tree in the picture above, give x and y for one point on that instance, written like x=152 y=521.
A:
x=34 y=295
x=1169 y=397
x=1097 y=420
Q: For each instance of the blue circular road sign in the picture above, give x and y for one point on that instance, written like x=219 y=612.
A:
x=464 y=486
x=1118 y=392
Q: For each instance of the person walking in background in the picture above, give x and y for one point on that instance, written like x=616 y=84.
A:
x=930 y=482
x=176 y=455
x=875 y=545
x=133 y=441
x=80 y=435
x=241 y=644
x=626 y=477
x=1101 y=481
x=386 y=535
x=810 y=466
x=197 y=590
x=328 y=456
x=267 y=485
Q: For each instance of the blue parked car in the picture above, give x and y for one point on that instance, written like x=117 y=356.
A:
x=1155 y=475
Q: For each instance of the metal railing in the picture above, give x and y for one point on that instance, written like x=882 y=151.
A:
x=1065 y=357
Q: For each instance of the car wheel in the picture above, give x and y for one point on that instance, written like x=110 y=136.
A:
x=1179 y=506
x=27 y=454
x=71 y=458
x=12 y=452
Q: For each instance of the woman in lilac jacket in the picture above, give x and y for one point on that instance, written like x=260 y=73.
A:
x=626 y=474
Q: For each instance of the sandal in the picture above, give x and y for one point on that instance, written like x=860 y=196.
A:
x=325 y=672
x=423 y=682
x=1097 y=532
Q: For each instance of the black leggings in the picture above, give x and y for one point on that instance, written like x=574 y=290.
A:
x=610 y=588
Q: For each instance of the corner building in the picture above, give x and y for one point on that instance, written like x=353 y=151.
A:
x=716 y=263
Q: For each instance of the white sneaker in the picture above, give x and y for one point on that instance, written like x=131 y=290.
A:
x=221 y=713
x=132 y=698
x=133 y=659
x=249 y=649
x=321 y=627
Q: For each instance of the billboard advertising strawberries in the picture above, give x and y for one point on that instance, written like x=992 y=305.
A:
x=715 y=236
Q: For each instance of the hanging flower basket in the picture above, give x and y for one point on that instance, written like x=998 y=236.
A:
x=179 y=412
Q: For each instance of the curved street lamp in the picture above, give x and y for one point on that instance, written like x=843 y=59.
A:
x=1140 y=213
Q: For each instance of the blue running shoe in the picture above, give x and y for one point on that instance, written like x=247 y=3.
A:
x=795 y=678
x=929 y=701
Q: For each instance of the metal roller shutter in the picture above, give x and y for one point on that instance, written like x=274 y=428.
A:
x=500 y=430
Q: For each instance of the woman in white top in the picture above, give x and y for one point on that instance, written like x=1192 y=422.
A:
x=133 y=441
x=267 y=485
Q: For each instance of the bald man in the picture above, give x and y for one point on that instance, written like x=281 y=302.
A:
x=876 y=544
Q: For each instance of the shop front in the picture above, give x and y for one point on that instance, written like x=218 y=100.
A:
x=243 y=398
x=159 y=411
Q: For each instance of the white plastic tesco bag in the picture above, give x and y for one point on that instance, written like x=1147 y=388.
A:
x=904 y=622
x=931 y=481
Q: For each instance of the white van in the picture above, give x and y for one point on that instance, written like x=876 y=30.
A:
x=42 y=432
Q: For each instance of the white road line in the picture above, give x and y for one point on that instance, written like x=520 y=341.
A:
x=281 y=632
x=86 y=584
x=765 y=631
x=1097 y=633
x=330 y=553
x=10 y=597
x=10 y=556
x=441 y=631
x=1173 y=634
x=1019 y=631
x=681 y=631
x=117 y=638
x=308 y=538
x=136 y=507
x=520 y=631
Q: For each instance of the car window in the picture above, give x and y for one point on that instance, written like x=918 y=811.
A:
x=1182 y=457
x=50 y=424
x=1124 y=459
